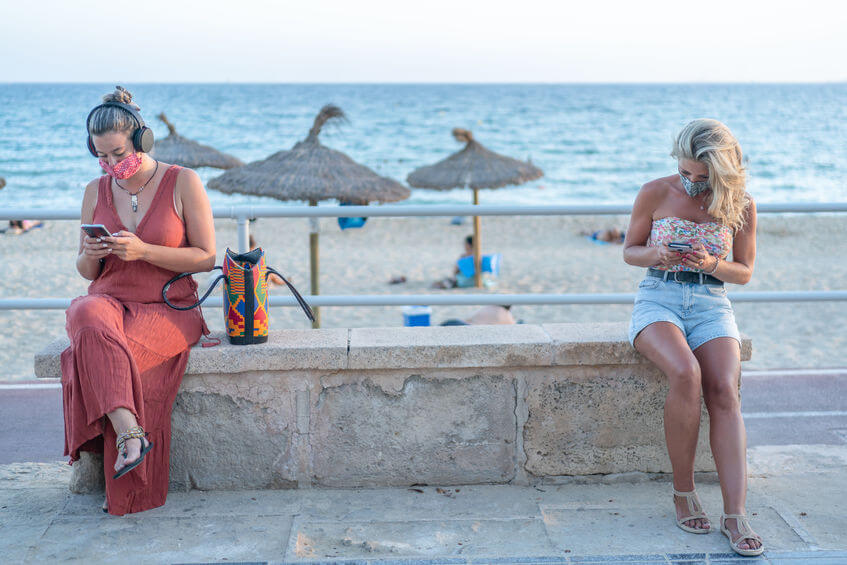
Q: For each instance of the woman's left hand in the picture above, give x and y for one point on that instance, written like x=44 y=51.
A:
x=127 y=246
x=699 y=259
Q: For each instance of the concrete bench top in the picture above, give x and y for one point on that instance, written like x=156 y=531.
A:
x=522 y=345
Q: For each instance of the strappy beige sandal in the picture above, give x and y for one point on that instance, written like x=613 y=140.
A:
x=745 y=532
x=694 y=509
x=135 y=432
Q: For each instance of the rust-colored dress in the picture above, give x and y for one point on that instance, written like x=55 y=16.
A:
x=129 y=349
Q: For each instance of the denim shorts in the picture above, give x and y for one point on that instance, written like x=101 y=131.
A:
x=701 y=311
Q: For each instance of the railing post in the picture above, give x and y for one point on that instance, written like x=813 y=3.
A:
x=243 y=232
x=314 y=263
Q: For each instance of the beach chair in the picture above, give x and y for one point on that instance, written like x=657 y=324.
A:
x=490 y=270
x=346 y=223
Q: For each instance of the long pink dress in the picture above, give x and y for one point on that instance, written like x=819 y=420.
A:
x=129 y=349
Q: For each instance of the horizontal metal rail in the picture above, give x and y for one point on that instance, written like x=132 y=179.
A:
x=463 y=299
x=245 y=213
x=418 y=210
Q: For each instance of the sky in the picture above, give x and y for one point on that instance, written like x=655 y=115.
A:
x=465 y=41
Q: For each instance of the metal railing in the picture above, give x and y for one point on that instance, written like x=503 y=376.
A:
x=243 y=214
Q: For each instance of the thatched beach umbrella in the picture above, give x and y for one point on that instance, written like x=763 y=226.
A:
x=473 y=167
x=186 y=152
x=2 y=182
x=310 y=171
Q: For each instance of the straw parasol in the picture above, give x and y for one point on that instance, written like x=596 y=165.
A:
x=2 y=182
x=313 y=172
x=473 y=167
x=188 y=153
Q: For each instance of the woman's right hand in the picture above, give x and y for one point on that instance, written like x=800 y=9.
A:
x=95 y=247
x=667 y=257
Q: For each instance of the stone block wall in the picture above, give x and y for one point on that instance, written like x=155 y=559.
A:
x=404 y=406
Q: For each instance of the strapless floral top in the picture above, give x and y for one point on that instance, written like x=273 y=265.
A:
x=715 y=237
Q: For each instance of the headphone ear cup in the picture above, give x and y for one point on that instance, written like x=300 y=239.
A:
x=90 y=145
x=142 y=139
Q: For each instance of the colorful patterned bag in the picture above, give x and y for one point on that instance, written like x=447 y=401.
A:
x=245 y=279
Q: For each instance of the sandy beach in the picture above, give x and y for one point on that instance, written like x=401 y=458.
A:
x=540 y=255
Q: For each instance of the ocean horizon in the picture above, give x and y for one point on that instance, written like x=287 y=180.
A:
x=596 y=142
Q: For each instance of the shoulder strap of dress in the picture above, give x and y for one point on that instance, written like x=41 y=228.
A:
x=104 y=191
x=169 y=178
x=104 y=196
x=166 y=186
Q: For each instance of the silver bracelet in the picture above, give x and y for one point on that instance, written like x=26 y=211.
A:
x=717 y=262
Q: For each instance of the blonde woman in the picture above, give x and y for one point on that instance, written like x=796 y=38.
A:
x=695 y=231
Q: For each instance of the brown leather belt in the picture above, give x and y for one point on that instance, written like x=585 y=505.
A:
x=684 y=277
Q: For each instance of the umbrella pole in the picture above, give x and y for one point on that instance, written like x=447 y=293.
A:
x=314 y=266
x=477 y=260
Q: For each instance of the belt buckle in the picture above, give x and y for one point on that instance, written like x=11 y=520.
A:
x=676 y=276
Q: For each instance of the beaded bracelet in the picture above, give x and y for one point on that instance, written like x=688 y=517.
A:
x=715 y=268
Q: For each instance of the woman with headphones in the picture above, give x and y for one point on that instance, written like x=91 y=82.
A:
x=128 y=349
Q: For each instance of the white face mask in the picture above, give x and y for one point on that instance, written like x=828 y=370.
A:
x=691 y=187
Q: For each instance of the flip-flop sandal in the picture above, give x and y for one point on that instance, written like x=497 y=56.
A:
x=135 y=432
x=695 y=510
x=745 y=532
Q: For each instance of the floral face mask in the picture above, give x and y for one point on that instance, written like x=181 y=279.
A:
x=125 y=168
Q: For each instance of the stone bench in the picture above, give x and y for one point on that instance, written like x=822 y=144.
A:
x=403 y=406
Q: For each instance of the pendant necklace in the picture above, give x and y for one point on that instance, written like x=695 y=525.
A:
x=702 y=204
x=133 y=196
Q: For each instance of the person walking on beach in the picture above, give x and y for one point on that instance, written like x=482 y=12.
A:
x=128 y=349
x=683 y=228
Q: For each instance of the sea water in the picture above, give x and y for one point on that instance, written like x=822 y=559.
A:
x=595 y=143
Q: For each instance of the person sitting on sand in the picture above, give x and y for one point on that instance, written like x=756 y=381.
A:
x=457 y=280
x=683 y=228
x=128 y=349
x=608 y=235
x=17 y=227
x=487 y=315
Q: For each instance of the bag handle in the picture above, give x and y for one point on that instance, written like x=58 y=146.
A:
x=199 y=302
x=303 y=304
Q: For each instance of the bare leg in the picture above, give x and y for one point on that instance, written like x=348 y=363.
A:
x=664 y=344
x=720 y=363
x=122 y=420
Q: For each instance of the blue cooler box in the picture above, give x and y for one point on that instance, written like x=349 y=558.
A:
x=416 y=315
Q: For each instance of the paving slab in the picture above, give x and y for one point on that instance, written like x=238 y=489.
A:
x=41 y=504
x=17 y=540
x=373 y=539
x=162 y=540
x=652 y=530
x=421 y=503
x=34 y=475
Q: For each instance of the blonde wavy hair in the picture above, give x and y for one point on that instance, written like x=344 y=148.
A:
x=710 y=142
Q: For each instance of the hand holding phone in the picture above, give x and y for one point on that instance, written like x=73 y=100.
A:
x=95 y=230
x=681 y=247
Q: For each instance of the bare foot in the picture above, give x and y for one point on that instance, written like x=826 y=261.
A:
x=731 y=524
x=682 y=510
x=133 y=452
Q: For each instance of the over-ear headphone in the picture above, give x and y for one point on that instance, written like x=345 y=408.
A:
x=142 y=137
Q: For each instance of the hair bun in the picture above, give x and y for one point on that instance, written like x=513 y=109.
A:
x=121 y=95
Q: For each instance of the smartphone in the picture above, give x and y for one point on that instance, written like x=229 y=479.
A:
x=96 y=230
x=681 y=247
